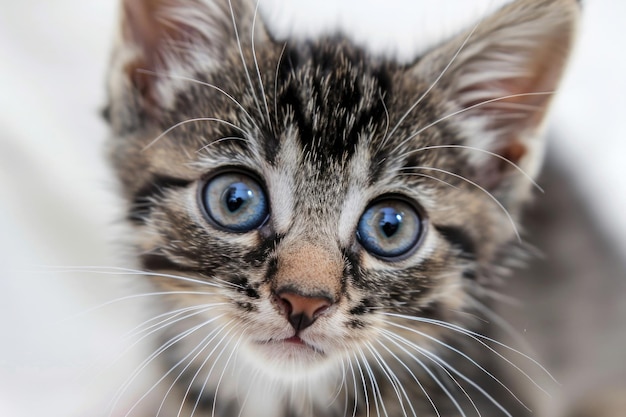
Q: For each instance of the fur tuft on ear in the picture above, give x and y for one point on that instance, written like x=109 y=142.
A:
x=177 y=38
x=501 y=76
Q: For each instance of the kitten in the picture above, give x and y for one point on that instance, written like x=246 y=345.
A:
x=327 y=226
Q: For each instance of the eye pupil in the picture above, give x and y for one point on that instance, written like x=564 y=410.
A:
x=390 y=222
x=237 y=195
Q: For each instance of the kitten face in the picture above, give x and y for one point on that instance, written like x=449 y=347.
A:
x=314 y=200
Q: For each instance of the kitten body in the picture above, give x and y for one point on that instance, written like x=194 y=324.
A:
x=326 y=225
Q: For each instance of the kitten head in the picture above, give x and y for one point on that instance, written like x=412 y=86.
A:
x=313 y=199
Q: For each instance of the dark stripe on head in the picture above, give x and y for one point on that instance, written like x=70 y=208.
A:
x=333 y=97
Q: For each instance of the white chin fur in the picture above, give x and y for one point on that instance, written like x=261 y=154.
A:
x=285 y=361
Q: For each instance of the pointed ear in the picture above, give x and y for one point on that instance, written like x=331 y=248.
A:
x=500 y=77
x=179 y=38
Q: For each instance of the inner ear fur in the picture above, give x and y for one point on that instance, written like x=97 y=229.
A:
x=501 y=76
x=181 y=38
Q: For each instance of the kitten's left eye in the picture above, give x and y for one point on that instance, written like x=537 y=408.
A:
x=235 y=201
x=389 y=228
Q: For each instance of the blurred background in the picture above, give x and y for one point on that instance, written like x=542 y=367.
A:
x=58 y=207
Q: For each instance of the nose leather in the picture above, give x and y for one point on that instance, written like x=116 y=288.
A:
x=302 y=311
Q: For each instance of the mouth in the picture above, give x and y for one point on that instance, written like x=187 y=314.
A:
x=291 y=346
x=295 y=340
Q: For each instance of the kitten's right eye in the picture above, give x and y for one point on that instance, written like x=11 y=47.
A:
x=235 y=201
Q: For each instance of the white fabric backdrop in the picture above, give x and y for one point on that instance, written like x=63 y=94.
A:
x=57 y=205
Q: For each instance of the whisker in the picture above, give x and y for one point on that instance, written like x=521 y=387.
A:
x=199 y=369
x=203 y=83
x=340 y=384
x=215 y=142
x=505 y=325
x=243 y=60
x=194 y=120
x=142 y=366
x=390 y=336
x=387 y=123
x=462 y=354
x=437 y=359
x=419 y=384
x=244 y=403
x=219 y=381
x=256 y=64
x=201 y=309
x=474 y=106
x=175 y=317
x=280 y=58
x=134 y=297
x=393 y=379
x=356 y=391
x=417 y=174
x=472 y=148
x=480 y=339
x=436 y=81
x=200 y=347
x=113 y=270
x=484 y=190
x=375 y=387
x=366 y=396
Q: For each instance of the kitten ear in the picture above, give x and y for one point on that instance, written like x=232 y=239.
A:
x=179 y=38
x=500 y=77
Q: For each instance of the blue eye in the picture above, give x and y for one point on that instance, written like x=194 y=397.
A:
x=235 y=201
x=389 y=228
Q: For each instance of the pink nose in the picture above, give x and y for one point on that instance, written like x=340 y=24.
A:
x=302 y=311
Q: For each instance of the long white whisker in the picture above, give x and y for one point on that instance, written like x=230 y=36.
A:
x=417 y=174
x=387 y=123
x=462 y=354
x=505 y=325
x=472 y=148
x=215 y=142
x=256 y=64
x=436 y=81
x=354 y=382
x=439 y=360
x=194 y=120
x=375 y=387
x=366 y=396
x=280 y=58
x=200 y=347
x=253 y=380
x=391 y=336
x=202 y=309
x=175 y=316
x=393 y=379
x=112 y=270
x=131 y=378
x=243 y=60
x=219 y=381
x=206 y=84
x=419 y=384
x=463 y=110
x=340 y=384
x=480 y=339
x=134 y=297
x=484 y=190
x=191 y=382
x=449 y=375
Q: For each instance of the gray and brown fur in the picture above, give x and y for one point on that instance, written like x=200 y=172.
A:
x=327 y=129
